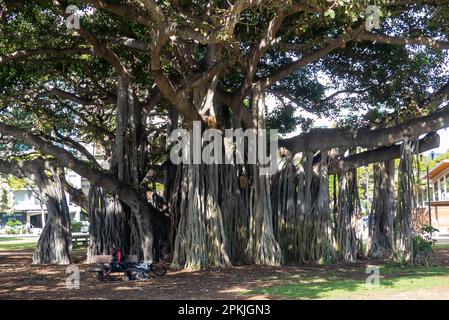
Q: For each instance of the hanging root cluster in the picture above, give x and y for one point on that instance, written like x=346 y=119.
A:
x=381 y=234
x=347 y=219
x=403 y=221
x=201 y=240
x=303 y=224
x=55 y=242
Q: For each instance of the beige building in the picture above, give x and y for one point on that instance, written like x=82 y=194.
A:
x=439 y=196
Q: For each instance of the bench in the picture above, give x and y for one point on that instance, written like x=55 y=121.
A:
x=102 y=260
x=83 y=238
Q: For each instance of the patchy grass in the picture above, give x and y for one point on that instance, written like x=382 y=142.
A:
x=337 y=286
x=441 y=246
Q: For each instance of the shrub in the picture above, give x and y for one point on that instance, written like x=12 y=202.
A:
x=12 y=231
x=76 y=226
x=422 y=245
x=13 y=223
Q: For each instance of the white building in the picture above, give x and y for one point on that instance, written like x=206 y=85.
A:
x=28 y=201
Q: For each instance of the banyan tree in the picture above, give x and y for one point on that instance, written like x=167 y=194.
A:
x=125 y=75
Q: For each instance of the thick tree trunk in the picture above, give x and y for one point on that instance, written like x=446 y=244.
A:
x=114 y=224
x=55 y=242
x=109 y=225
x=381 y=232
x=234 y=203
x=347 y=217
x=201 y=240
x=263 y=247
x=323 y=250
x=175 y=192
x=403 y=221
x=128 y=163
x=287 y=192
x=301 y=209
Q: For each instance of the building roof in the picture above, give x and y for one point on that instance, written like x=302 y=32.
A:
x=439 y=168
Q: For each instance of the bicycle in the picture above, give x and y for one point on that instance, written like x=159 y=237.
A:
x=142 y=270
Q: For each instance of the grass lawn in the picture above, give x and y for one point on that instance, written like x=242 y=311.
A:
x=22 y=243
x=3 y=239
x=17 y=246
x=393 y=280
x=441 y=246
x=18 y=243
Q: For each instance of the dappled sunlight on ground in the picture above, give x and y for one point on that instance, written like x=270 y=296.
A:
x=21 y=280
x=261 y=297
x=31 y=288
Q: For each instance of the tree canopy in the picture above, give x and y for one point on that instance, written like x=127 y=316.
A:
x=122 y=79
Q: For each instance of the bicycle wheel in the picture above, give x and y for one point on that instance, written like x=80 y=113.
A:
x=100 y=275
x=141 y=275
x=132 y=273
x=137 y=274
x=160 y=271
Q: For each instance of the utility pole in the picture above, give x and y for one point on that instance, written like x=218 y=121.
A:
x=428 y=194
x=432 y=155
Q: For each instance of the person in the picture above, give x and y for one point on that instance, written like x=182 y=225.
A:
x=117 y=263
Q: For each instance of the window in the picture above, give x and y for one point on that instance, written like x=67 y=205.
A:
x=420 y=197
x=442 y=189
x=36 y=201
x=447 y=186
x=19 y=197
x=435 y=192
